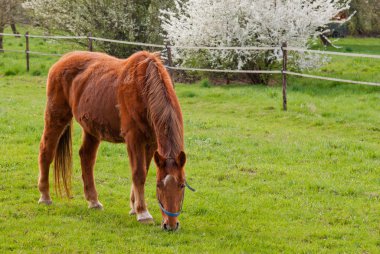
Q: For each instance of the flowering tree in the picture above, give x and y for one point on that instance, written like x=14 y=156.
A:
x=245 y=23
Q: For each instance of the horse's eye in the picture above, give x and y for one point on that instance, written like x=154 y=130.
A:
x=182 y=186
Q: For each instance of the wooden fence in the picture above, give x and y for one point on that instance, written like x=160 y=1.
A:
x=284 y=49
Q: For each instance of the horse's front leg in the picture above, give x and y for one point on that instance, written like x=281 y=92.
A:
x=149 y=151
x=137 y=159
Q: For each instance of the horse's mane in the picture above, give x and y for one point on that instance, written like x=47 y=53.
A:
x=163 y=107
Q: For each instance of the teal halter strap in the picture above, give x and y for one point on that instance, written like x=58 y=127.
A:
x=170 y=214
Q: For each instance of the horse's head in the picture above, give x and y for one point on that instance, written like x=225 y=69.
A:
x=170 y=188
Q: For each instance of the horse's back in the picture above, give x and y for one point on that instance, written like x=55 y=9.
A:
x=89 y=83
x=77 y=62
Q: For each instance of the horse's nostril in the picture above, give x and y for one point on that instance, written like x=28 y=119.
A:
x=165 y=226
x=177 y=225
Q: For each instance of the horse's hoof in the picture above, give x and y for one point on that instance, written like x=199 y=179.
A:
x=146 y=221
x=145 y=218
x=45 y=201
x=132 y=212
x=95 y=205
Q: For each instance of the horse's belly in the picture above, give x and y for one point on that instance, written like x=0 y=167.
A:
x=97 y=112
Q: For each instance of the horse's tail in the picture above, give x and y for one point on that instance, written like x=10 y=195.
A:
x=63 y=163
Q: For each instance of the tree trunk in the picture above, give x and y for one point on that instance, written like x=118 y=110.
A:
x=227 y=78
x=257 y=78
x=14 y=30
x=324 y=40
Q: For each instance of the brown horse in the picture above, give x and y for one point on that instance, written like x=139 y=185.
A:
x=117 y=100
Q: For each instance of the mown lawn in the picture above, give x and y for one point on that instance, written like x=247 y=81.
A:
x=268 y=181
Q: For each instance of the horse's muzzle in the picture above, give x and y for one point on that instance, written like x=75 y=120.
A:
x=167 y=227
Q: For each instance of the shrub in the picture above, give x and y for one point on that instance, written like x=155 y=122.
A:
x=205 y=83
x=36 y=73
x=10 y=73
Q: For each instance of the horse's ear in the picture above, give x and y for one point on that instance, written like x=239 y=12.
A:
x=159 y=160
x=181 y=159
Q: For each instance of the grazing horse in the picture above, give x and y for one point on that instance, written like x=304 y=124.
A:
x=116 y=100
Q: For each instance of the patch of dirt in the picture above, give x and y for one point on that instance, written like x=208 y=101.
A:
x=249 y=171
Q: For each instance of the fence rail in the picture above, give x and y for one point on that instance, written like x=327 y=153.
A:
x=284 y=48
x=331 y=79
x=56 y=36
x=128 y=42
x=223 y=71
x=331 y=53
x=226 y=48
x=42 y=53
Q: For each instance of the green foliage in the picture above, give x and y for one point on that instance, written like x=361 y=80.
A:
x=134 y=20
x=367 y=19
x=348 y=49
x=10 y=73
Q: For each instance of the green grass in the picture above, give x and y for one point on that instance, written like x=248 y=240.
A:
x=12 y=64
x=357 y=45
x=306 y=180
x=268 y=181
x=349 y=68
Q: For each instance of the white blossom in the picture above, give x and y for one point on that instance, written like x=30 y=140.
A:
x=246 y=23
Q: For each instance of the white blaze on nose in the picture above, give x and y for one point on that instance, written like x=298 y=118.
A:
x=167 y=179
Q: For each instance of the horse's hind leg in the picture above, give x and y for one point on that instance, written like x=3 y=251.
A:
x=57 y=119
x=87 y=157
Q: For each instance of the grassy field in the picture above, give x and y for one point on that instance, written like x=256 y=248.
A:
x=268 y=181
x=12 y=64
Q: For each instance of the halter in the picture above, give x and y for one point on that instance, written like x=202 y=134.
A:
x=176 y=214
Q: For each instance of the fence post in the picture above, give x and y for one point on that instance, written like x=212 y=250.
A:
x=1 y=44
x=170 y=62
x=284 y=68
x=89 y=41
x=27 y=50
x=1 y=40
